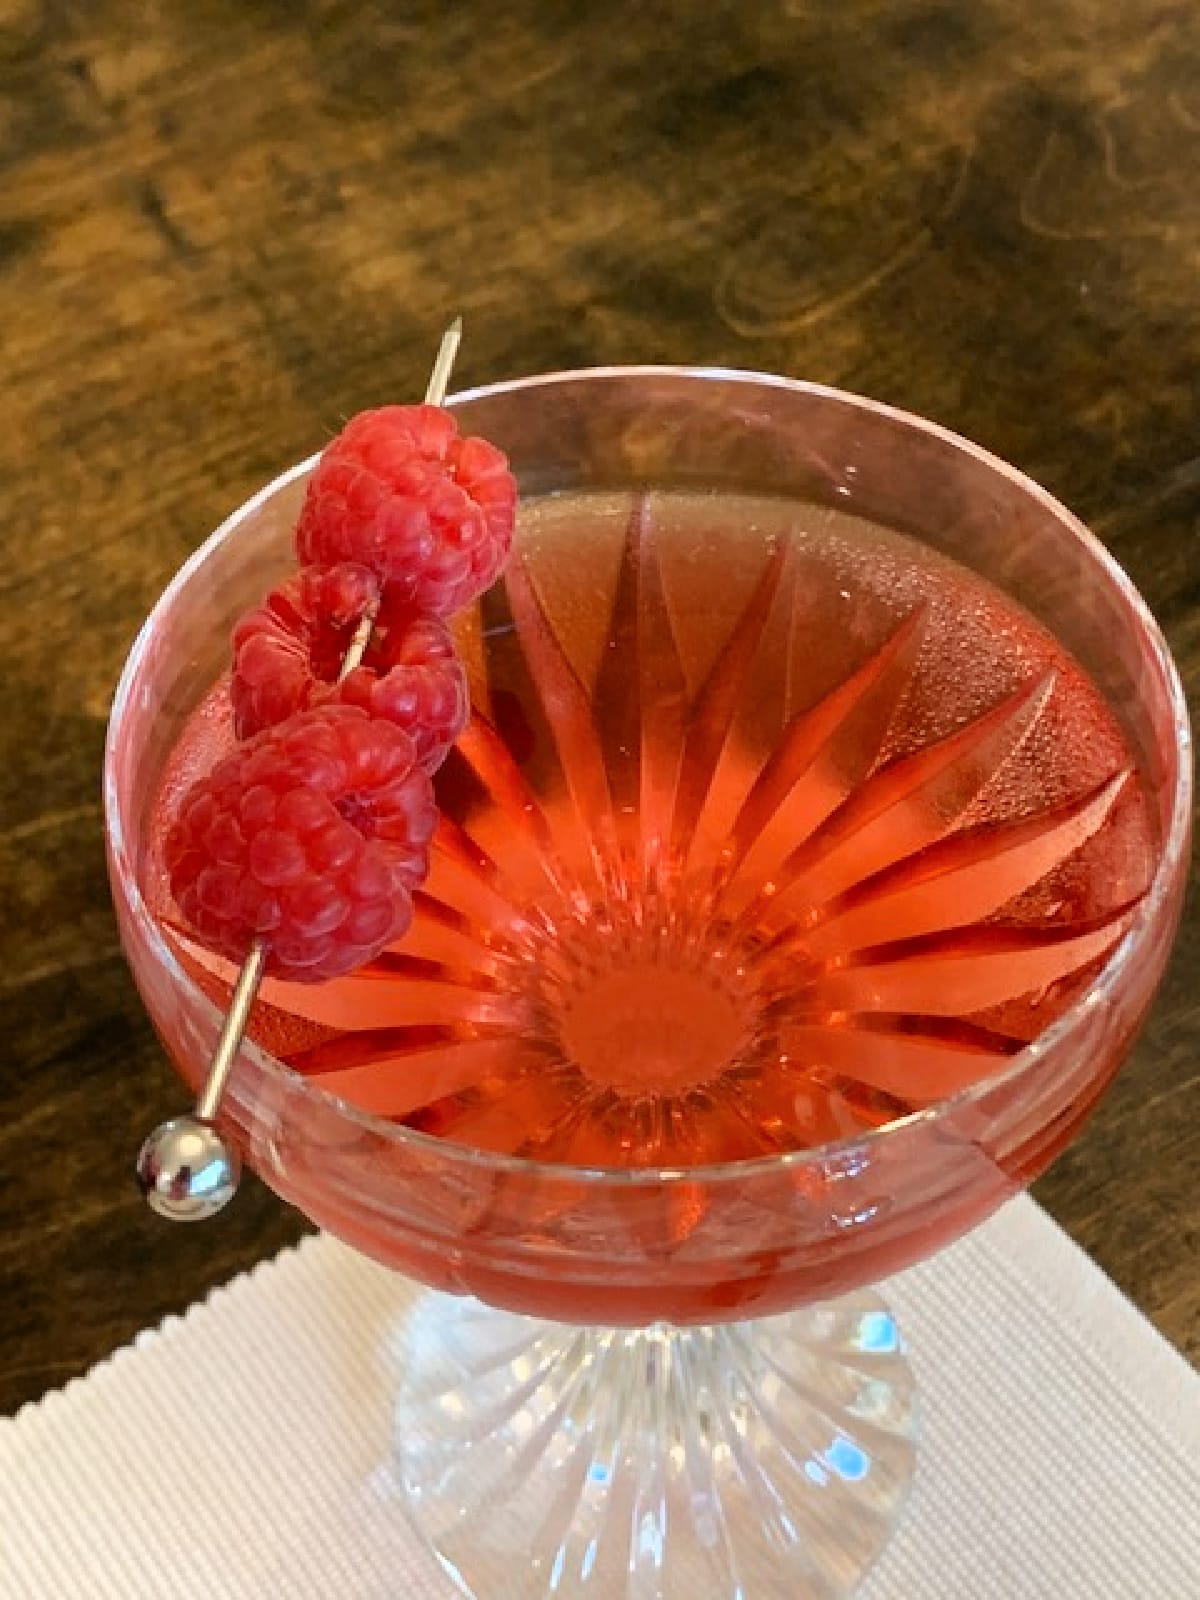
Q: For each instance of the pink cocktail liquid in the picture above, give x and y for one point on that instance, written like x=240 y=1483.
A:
x=771 y=827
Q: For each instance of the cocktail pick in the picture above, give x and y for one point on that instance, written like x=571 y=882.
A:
x=187 y=1169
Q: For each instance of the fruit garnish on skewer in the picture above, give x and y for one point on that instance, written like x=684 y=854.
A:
x=288 y=657
x=310 y=838
x=298 y=854
x=401 y=493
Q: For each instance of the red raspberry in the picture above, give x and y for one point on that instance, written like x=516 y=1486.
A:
x=311 y=834
x=291 y=644
x=430 y=513
x=288 y=652
x=412 y=676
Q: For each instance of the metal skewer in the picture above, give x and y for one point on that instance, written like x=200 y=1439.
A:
x=187 y=1170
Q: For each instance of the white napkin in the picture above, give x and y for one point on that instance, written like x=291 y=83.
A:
x=241 y=1451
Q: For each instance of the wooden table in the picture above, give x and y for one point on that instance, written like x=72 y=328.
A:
x=224 y=226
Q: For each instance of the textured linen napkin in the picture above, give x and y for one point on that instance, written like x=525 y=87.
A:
x=242 y=1450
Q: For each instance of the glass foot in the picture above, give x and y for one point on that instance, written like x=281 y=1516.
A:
x=734 y=1462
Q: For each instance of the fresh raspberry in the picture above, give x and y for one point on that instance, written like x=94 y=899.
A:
x=312 y=835
x=290 y=646
x=288 y=652
x=412 y=676
x=430 y=513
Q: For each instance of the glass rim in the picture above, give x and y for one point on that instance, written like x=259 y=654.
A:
x=1145 y=915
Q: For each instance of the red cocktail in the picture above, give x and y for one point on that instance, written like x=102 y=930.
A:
x=806 y=869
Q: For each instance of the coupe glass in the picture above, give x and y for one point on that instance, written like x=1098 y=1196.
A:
x=672 y=1381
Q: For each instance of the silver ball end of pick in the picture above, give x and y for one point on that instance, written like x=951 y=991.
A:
x=187 y=1171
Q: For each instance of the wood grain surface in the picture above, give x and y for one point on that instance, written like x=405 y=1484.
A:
x=227 y=224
